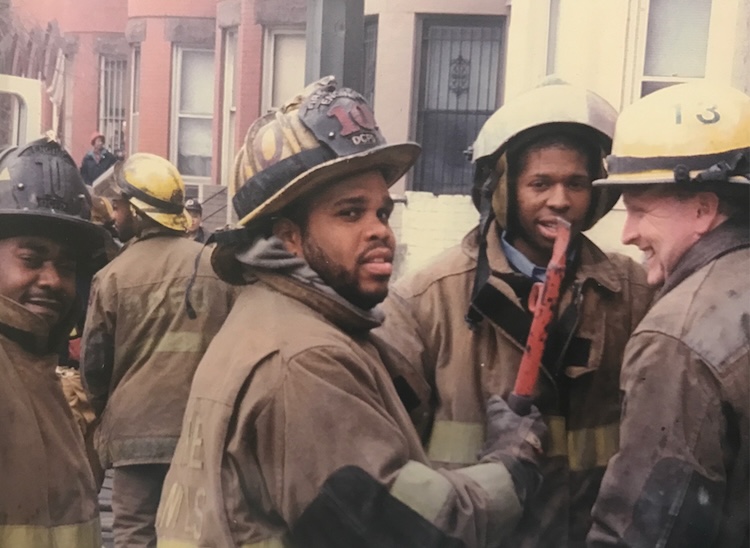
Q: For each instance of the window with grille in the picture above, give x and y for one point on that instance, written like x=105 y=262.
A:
x=459 y=88
x=192 y=111
x=112 y=81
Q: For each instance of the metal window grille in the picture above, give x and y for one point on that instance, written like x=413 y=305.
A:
x=112 y=111
x=371 y=46
x=460 y=83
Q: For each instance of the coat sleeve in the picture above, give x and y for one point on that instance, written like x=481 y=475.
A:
x=340 y=468
x=666 y=485
x=97 y=344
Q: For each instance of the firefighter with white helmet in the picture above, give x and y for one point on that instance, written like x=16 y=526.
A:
x=142 y=339
x=48 y=495
x=681 y=157
x=464 y=320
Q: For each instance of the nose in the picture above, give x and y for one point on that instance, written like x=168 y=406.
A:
x=50 y=276
x=558 y=198
x=379 y=229
x=629 y=230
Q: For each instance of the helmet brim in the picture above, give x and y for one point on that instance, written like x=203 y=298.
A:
x=393 y=160
x=84 y=237
x=655 y=177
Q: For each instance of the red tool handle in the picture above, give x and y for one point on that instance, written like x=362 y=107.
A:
x=543 y=303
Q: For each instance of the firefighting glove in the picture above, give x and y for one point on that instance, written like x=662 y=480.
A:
x=518 y=442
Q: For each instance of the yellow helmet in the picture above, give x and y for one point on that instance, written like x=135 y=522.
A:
x=697 y=132
x=155 y=188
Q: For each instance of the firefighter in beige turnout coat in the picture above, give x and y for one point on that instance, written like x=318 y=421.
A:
x=47 y=491
x=142 y=340
x=682 y=475
x=462 y=322
x=295 y=434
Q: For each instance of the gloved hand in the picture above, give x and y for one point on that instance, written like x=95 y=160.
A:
x=511 y=434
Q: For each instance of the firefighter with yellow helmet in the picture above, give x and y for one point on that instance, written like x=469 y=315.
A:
x=464 y=320
x=681 y=157
x=47 y=491
x=142 y=340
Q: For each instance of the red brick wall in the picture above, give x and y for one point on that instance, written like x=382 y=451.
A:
x=155 y=90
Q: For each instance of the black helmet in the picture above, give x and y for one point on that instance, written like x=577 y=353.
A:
x=42 y=193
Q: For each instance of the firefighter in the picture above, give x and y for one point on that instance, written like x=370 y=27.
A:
x=142 y=340
x=463 y=321
x=294 y=434
x=682 y=159
x=48 y=495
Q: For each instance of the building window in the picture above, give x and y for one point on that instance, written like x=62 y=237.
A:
x=371 y=47
x=676 y=45
x=459 y=88
x=283 y=66
x=112 y=75
x=192 y=112
x=229 y=104
x=135 y=100
x=10 y=113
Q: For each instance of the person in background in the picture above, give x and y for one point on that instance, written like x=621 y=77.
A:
x=196 y=230
x=142 y=339
x=463 y=321
x=47 y=491
x=97 y=160
x=681 y=157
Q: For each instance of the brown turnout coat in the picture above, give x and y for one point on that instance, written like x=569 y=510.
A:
x=47 y=492
x=293 y=388
x=682 y=475
x=140 y=348
x=458 y=368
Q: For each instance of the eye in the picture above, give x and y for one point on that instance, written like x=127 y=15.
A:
x=579 y=184
x=31 y=259
x=384 y=214
x=351 y=213
x=539 y=184
x=67 y=268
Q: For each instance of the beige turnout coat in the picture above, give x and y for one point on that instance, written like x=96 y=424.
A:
x=140 y=348
x=457 y=368
x=47 y=492
x=293 y=389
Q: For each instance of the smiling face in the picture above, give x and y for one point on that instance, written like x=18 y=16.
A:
x=347 y=238
x=664 y=226
x=39 y=274
x=554 y=181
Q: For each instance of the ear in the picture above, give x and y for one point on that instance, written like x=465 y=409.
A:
x=708 y=216
x=290 y=235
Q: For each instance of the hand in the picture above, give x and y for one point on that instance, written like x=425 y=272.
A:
x=509 y=434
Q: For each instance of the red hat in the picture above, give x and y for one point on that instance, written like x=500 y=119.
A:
x=95 y=136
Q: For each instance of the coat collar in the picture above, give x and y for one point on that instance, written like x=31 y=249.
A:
x=593 y=263
x=23 y=327
x=338 y=311
x=725 y=238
